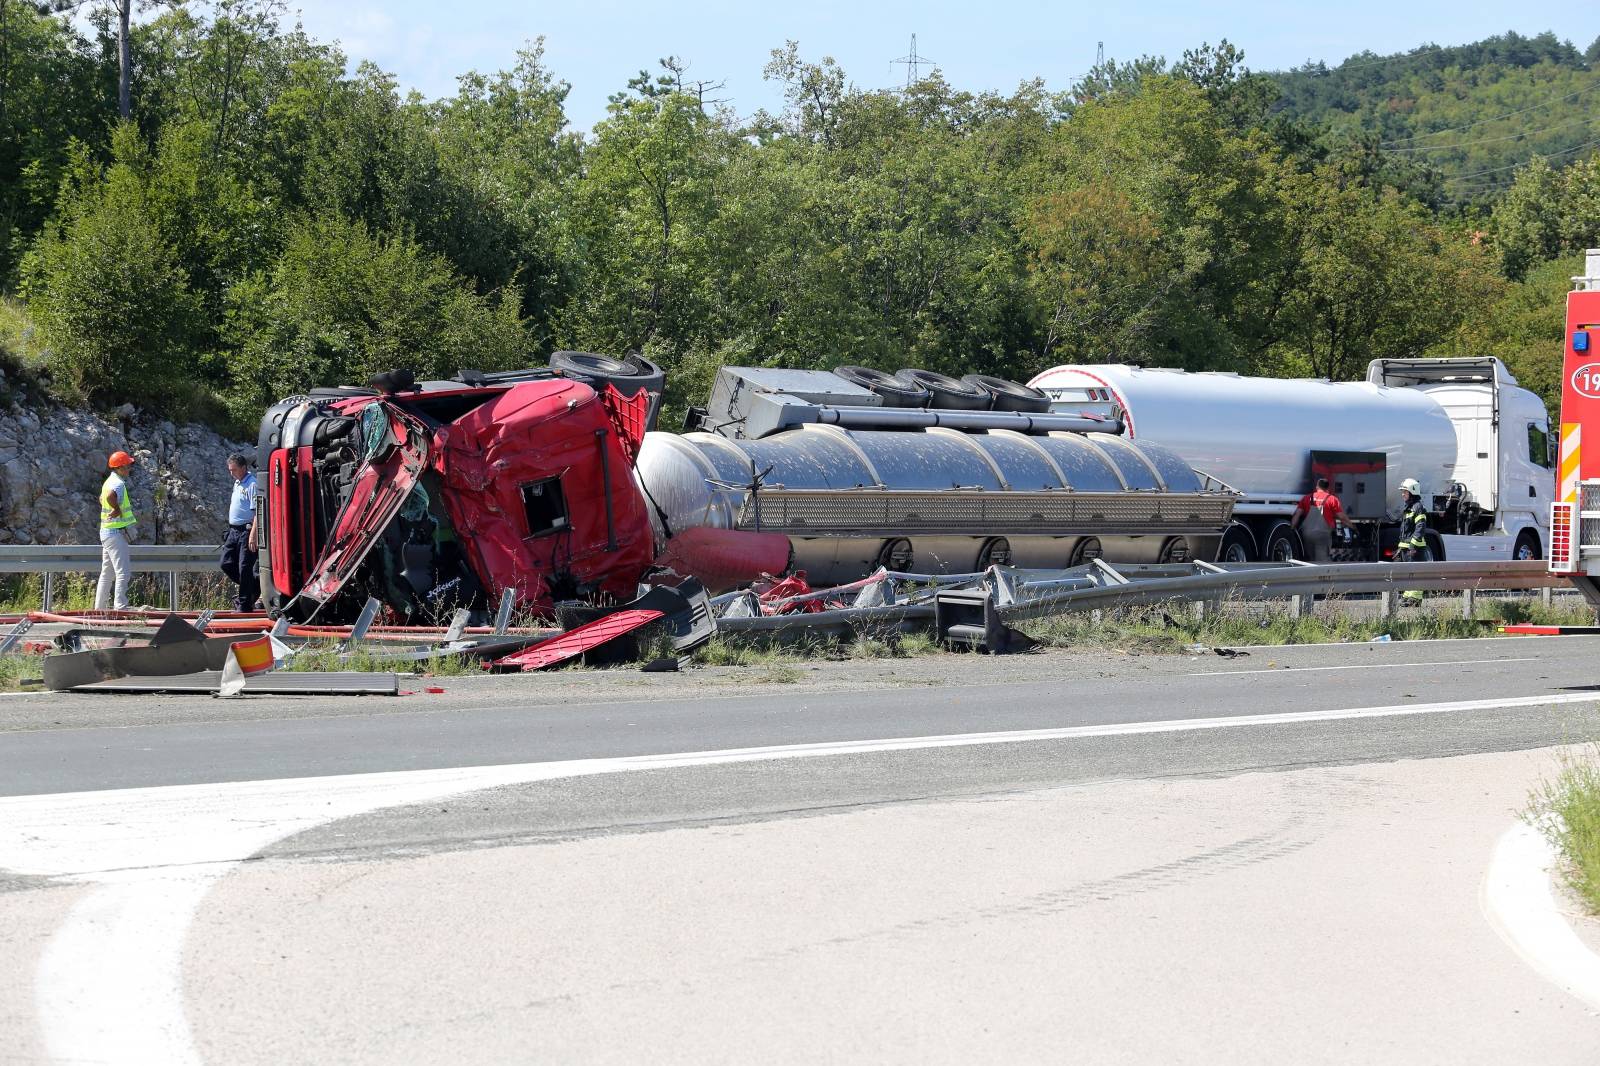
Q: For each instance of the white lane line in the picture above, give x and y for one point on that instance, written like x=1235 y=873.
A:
x=1498 y=638
x=1357 y=666
x=1519 y=901
x=110 y=984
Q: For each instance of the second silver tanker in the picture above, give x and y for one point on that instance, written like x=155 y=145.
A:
x=1477 y=442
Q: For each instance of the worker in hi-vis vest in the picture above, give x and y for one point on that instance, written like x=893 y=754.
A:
x=116 y=526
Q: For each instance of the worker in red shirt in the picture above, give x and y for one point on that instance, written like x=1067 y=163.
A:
x=1316 y=516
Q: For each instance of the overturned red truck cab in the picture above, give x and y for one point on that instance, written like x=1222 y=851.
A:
x=439 y=495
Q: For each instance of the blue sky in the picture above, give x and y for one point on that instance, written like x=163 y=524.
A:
x=597 y=46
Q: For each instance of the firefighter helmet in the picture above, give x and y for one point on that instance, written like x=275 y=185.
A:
x=1410 y=485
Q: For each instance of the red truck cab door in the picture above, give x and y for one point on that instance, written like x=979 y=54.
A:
x=396 y=452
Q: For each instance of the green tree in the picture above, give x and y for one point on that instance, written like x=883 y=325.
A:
x=109 y=292
x=1528 y=222
x=343 y=303
x=641 y=219
x=1379 y=280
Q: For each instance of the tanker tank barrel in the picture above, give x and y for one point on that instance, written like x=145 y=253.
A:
x=924 y=418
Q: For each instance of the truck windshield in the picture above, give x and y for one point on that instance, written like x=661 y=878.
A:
x=374 y=430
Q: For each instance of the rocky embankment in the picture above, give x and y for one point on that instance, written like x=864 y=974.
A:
x=53 y=460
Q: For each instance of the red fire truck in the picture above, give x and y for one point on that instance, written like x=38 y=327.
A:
x=1575 y=516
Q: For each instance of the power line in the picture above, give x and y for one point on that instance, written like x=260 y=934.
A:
x=1509 y=114
x=1536 y=155
x=1493 y=140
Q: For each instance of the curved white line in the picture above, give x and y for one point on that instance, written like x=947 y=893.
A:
x=1519 y=901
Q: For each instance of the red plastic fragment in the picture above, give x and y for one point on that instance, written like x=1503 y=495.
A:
x=575 y=642
x=793 y=585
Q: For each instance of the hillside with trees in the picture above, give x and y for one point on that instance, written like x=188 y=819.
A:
x=265 y=218
x=1454 y=124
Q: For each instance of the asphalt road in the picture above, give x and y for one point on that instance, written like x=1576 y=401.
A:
x=64 y=742
x=1271 y=857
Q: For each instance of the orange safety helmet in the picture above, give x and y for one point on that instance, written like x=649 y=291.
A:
x=119 y=459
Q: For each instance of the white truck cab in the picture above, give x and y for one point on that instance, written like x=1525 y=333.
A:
x=1495 y=505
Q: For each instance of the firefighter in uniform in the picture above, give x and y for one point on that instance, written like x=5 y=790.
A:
x=1413 y=546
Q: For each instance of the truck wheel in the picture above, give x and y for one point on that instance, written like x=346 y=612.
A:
x=1008 y=395
x=1238 y=545
x=896 y=555
x=996 y=551
x=1175 y=550
x=894 y=391
x=1283 y=544
x=627 y=375
x=947 y=393
x=1435 y=545
x=1527 y=547
x=1085 y=551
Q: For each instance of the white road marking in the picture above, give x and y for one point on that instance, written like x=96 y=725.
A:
x=110 y=984
x=1356 y=666
x=1518 y=900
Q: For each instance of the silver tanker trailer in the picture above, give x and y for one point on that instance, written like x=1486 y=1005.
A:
x=920 y=472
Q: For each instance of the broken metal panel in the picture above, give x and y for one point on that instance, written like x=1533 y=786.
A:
x=579 y=641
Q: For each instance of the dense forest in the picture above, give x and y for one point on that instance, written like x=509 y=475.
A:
x=228 y=213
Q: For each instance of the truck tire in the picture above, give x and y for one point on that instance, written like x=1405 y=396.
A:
x=1435 y=545
x=630 y=375
x=1527 y=546
x=627 y=375
x=996 y=551
x=1175 y=550
x=1008 y=395
x=894 y=392
x=1085 y=551
x=1238 y=545
x=947 y=393
x=1283 y=544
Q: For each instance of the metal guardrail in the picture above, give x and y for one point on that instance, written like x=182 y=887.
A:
x=1009 y=595
x=51 y=559
x=1272 y=582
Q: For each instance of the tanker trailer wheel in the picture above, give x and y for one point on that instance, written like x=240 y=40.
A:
x=896 y=555
x=1175 y=550
x=1527 y=547
x=996 y=551
x=1010 y=396
x=1283 y=544
x=1435 y=545
x=892 y=390
x=946 y=393
x=1238 y=545
x=1085 y=551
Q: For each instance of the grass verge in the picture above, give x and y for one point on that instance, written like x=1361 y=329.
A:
x=13 y=668
x=1567 y=809
x=326 y=659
